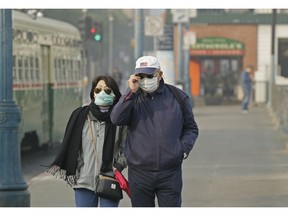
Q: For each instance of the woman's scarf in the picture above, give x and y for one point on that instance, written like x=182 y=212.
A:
x=65 y=163
x=109 y=137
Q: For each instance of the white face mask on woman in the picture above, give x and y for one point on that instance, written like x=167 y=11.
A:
x=104 y=99
x=149 y=85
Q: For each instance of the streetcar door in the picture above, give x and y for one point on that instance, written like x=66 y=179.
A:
x=47 y=104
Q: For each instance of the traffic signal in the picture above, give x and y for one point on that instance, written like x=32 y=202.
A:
x=96 y=32
x=90 y=30
x=88 y=26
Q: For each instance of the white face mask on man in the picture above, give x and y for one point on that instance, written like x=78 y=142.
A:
x=149 y=85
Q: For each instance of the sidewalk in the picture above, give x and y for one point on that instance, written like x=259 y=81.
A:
x=264 y=144
x=48 y=191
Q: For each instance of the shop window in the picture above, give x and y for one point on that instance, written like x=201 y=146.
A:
x=283 y=56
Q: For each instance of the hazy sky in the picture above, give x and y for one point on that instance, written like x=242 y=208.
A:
x=147 y=4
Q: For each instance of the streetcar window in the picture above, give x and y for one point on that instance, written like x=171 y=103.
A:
x=71 y=70
x=30 y=36
x=37 y=71
x=35 y=37
x=20 y=68
x=19 y=34
x=56 y=69
x=26 y=68
x=74 y=69
x=63 y=69
x=68 y=74
x=79 y=69
x=59 y=69
x=14 y=34
x=14 y=68
x=32 y=68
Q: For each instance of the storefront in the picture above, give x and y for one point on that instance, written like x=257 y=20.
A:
x=217 y=59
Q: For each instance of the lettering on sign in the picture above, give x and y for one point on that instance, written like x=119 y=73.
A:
x=165 y=42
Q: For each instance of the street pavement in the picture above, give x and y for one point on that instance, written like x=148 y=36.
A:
x=239 y=160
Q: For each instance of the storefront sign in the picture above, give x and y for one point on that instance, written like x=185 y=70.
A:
x=165 y=42
x=217 y=46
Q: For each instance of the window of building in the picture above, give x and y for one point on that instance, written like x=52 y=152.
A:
x=283 y=56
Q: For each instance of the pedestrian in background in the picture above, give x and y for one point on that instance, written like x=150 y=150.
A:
x=246 y=83
x=117 y=76
x=92 y=144
x=160 y=136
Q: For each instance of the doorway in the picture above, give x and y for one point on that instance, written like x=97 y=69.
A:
x=218 y=77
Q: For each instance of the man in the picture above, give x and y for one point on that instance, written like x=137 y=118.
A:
x=246 y=82
x=160 y=135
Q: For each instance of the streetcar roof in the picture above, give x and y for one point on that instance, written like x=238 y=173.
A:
x=21 y=19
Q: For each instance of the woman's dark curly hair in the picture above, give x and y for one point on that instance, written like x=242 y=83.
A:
x=110 y=82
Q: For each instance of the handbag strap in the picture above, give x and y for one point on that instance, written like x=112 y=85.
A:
x=92 y=138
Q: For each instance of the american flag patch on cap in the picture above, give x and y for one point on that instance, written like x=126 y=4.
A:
x=143 y=64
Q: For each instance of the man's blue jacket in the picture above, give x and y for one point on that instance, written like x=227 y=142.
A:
x=160 y=133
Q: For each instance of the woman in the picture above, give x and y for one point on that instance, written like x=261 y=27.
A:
x=92 y=144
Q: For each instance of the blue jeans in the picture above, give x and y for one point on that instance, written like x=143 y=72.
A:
x=246 y=98
x=88 y=198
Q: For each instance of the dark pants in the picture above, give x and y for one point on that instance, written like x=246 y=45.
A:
x=145 y=185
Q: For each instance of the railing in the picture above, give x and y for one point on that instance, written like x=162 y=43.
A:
x=239 y=16
x=280 y=106
x=240 y=11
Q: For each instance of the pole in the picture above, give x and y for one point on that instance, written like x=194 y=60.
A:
x=154 y=45
x=85 y=66
x=111 y=19
x=180 y=54
x=272 y=75
x=138 y=33
x=187 y=80
x=13 y=188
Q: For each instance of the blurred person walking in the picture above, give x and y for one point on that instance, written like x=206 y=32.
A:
x=117 y=76
x=162 y=132
x=246 y=83
x=92 y=144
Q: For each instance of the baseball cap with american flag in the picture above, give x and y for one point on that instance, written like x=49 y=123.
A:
x=146 y=65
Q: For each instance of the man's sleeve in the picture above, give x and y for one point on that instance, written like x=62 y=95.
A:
x=190 y=130
x=121 y=112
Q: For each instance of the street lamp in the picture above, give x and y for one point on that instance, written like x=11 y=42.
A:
x=13 y=188
x=138 y=33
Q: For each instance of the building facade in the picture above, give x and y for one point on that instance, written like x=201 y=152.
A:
x=228 y=40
